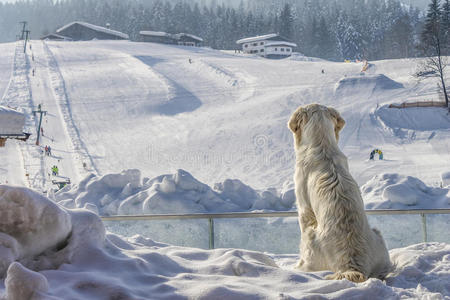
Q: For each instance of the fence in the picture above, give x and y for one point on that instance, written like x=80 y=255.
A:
x=275 y=232
x=418 y=104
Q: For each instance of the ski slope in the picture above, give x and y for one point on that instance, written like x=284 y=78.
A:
x=116 y=105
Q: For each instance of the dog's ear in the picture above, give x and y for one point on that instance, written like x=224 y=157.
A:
x=339 y=121
x=297 y=120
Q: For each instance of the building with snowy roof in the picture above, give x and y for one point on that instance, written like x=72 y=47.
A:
x=11 y=125
x=82 y=31
x=270 y=45
x=182 y=39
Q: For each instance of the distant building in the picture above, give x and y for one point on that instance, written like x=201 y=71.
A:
x=82 y=31
x=11 y=125
x=269 y=45
x=182 y=39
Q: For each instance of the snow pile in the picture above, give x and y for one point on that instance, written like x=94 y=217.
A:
x=394 y=191
x=11 y=121
x=414 y=118
x=125 y=193
x=89 y=264
x=365 y=83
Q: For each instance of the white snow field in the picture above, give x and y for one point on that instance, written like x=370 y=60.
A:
x=48 y=252
x=120 y=114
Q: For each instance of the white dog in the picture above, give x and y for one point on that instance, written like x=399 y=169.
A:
x=335 y=234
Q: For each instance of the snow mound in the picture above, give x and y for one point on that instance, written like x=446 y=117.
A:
x=93 y=265
x=414 y=118
x=126 y=194
x=11 y=121
x=365 y=82
x=30 y=224
x=394 y=191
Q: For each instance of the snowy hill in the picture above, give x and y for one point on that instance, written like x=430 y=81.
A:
x=120 y=105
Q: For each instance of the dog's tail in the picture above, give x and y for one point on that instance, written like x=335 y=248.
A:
x=350 y=275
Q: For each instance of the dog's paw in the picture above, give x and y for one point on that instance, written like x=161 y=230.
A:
x=354 y=276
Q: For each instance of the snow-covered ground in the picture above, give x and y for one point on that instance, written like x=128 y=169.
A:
x=116 y=105
x=68 y=255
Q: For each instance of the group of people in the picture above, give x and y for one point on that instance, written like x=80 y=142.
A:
x=48 y=150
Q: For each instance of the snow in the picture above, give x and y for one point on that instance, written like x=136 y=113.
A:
x=394 y=191
x=92 y=264
x=11 y=121
x=96 y=28
x=126 y=193
x=279 y=43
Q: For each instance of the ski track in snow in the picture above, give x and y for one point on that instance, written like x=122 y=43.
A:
x=62 y=100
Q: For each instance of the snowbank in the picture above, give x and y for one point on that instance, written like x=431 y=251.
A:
x=394 y=191
x=125 y=193
x=414 y=118
x=90 y=264
x=365 y=83
x=11 y=121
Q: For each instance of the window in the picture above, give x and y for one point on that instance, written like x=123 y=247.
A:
x=262 y=43
x=276 y=49
x=282 y=49
x=288 y=49
x=246 y=45
x=255 y=44
x=262 y=50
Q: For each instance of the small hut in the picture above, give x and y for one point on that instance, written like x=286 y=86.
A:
x=11 y=125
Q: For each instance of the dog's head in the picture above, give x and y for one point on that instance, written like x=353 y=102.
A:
x=303 y=115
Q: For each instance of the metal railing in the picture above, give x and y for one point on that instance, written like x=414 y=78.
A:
x=279 y=214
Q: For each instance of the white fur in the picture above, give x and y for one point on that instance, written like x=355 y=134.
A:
x=335 y=234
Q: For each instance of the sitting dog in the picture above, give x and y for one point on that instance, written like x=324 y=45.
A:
x=335 y=233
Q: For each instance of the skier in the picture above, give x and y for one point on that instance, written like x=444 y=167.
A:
x=372 y=154
x=49 y=151
x=323 y=71
x=190 y=60
x=46 y=150
x=55 y=170
x=33 y=72
x=42 y=131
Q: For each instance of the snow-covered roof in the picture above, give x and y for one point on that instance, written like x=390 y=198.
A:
x=176 y=36
x=179 y=35
x=256 y=38
x=56 y=36
x=96 y=28
x=280 y=43
x=154 y=33
x=11 y=121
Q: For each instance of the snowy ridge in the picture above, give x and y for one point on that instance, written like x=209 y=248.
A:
x=126 y=193
x=60 y=93
x=57 y=253
x=18 y=95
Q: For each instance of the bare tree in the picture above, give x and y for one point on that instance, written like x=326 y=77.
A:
x=434 y=47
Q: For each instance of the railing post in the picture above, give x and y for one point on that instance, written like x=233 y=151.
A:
x=424 y=227
x=211 y=233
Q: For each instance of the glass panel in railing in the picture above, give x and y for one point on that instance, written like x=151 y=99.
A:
x=398 y=230
x=189 y=233
x=274 y=235
x=438 y=228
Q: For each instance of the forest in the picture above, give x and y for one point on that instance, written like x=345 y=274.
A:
x=334 y=30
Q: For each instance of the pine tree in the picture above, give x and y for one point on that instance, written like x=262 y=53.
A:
x=286 y=22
